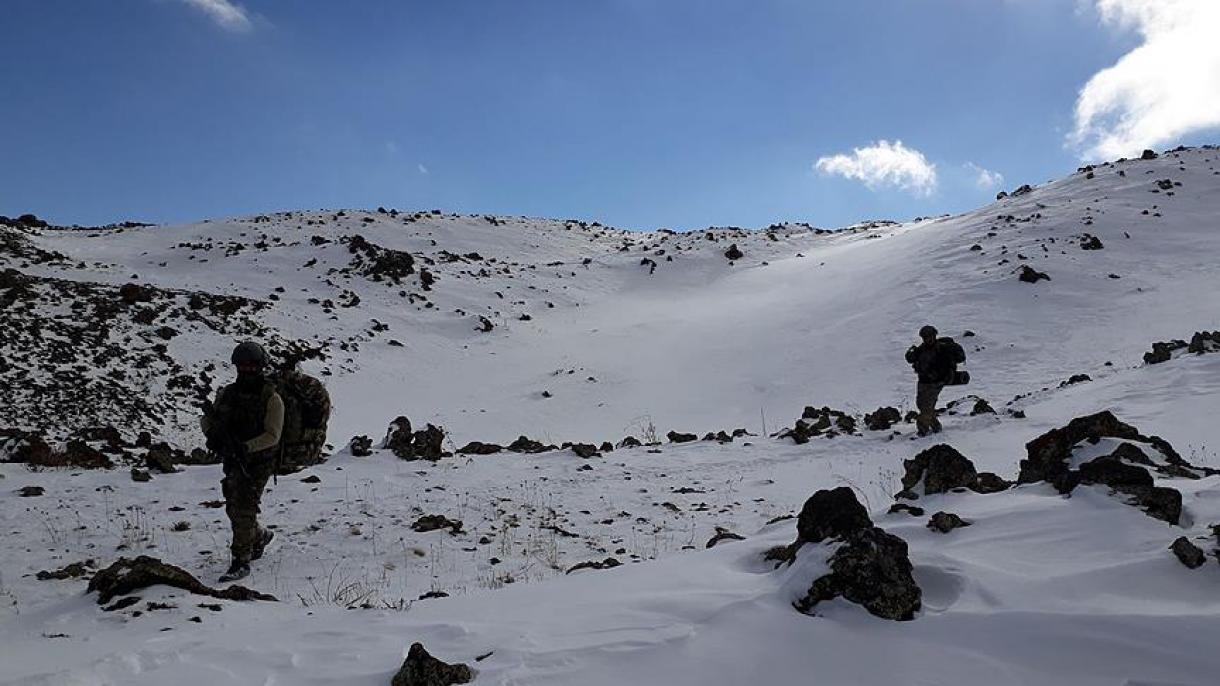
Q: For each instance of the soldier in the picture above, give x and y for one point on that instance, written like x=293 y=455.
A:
x=243 y=427
x=306 y=414
x=935 y=362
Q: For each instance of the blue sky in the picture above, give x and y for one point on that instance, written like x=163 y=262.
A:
x=636 y=113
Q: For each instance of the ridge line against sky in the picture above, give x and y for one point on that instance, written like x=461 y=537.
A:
x=681 y=114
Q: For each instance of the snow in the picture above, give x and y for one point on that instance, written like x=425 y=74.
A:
x=1040 y=589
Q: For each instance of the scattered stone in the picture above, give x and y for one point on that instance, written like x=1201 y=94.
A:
x=882 y=418
x=585 y=450
x=909 y=509
x=629 y=442
x=981 y=407
x=127 y=575
x=478 y=448
x=1090 y=242
x=1030 y=275
x=421 y=669
x=723 y=534
x=1188 y=553
x=1075 y=379
x=608 y=563
x=676 y=437
x=525 y=445
x=72 y=571
x=30 y=491
x=140 y=475
x=945 y=522
x=428 y=523
x=312 y=479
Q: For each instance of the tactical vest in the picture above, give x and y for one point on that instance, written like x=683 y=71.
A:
x=243 y=414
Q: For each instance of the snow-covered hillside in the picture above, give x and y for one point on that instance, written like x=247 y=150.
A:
x=565 y=331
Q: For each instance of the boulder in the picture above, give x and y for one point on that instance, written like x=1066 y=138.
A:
x=479 y=448
x=872 y=569
x=945 y=522
x=981 y=407
x=360 y=446
x=585 y=450
x=128 y=575
x=1148 y=155
x=831 y=514
x=421 y=669
x=722 y=535
x=526 y=445
x=399 y=437
x=1188 y=553
x=988 y=482
x=882 y=418
x=1162 y=351
x=734 y=253
x=677 y=437
x=940 y=469
x=1030 y=275
x=1047 y=455
x=428 y=523
x=909 y=509
x=629 y=442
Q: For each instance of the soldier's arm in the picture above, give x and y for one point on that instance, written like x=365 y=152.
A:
x=911 y=354
x=273 y=426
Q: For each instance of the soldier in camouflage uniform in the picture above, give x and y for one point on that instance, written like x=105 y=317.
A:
x=306 y=414
x=244 y=426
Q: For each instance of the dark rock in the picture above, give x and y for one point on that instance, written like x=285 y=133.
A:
x=733 y=253
x=987 y=482
x=1075 y=379
x=72 y=571
x=421 y=669
x=606 y=447
x=360 y=446
x=140 y=475
x=871 y=569
x=1030 y=275
x=312 y=479
x=585 y=450
x=478 y=448
x=608 y=563
x=160 y=459
x=676 y=437
x=945 y=522
x=723 y=535
x=1047 y=456
x=981 y=407
x=1148 y=155
x=882 y=419
x=1090 y=242
x=30 y=491
x=525 y=445
x=428 y=523
x=1114 y=473
x=485 y=324
x=1188 y=553
x=909 y=509
x=1162 y=351
x=127 y=575
x=629 y=442
x=831 y=514
x=940 y=468
x=399 y=438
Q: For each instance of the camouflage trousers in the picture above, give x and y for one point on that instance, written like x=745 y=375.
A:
x=243 y=486
x=926 y=395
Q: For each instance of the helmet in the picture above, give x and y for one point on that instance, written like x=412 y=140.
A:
x=928 y=331
x=249 y=352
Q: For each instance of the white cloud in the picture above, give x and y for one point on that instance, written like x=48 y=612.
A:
x=422 y=168
x=985 y=178
x=226 y=13
x=1166 y=88
x=884 y=164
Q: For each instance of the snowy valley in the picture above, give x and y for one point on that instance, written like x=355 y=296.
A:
x=681 y=398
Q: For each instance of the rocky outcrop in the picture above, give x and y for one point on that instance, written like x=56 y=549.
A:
x=479 y=448
x=822 y=421
x=360 y=446
x=1030 y=275
x=944 y=522
x=871 y=569
x=831 y=513
x=938 y=469
x=1200 y=343
x=128 y=575
x=677 y=437
x=421 y=669
x=378 y=263
x=425 y=444
x=524 y=444
x=428 y=523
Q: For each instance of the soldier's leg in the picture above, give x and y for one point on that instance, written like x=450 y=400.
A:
x=934 y=393
x=925 y=404
x=243 y=493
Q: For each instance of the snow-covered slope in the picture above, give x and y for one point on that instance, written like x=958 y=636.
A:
x=1040 y=589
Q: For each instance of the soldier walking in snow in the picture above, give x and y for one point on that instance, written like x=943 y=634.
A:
x=243 y=426
x=935 y=362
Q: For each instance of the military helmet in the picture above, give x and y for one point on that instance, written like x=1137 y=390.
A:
x=928 y=331
x=249 y=352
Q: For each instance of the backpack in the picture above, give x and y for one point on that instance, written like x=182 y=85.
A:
x=306 y=404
